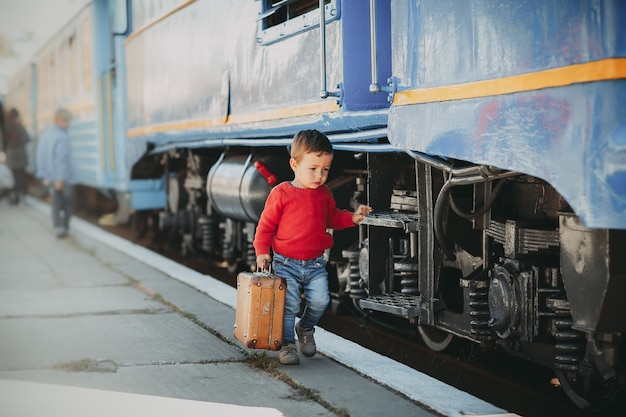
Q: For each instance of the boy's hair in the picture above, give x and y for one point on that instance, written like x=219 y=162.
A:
x=307 y=141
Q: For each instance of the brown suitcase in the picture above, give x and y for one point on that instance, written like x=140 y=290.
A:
x=260 y=310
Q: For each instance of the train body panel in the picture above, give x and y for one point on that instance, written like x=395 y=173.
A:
x=250 y=81
x=462 y=42
x=571 y=137
x=534 y=88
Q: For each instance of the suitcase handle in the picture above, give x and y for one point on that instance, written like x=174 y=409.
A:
x=265 y=271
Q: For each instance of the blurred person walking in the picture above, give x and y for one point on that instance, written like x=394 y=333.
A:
x=15 y=140
x=1 y=131
x=55 y=166
x=6 y=176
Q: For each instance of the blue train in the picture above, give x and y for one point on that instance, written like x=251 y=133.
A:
x=488 y=136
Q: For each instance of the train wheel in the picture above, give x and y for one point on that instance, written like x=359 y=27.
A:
x=233 y=266
x=571 y=390
x=590 y=391
x=436 y=339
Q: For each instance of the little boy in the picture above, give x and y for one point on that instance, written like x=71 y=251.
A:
x=294 y=223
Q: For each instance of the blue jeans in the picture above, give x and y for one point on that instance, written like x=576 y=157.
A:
x=62 y=208
x=309 y=276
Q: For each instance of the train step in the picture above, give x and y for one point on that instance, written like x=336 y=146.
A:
x=409 y=222
x=403 y=305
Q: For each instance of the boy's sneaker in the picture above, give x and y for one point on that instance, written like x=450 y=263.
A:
x=288 y=355
x=306 y=341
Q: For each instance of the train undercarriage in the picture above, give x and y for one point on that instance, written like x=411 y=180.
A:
x=460 y=251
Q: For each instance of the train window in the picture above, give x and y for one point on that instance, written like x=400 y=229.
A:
x=86 y=55
x=73 y=64
x=283 y=18
x=63 y=67
x=52 y=75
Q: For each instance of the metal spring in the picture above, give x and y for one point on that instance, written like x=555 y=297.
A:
x=228 y=250
x=570 y=343
x=209 y=233
x=405 y=271
x=250 y=254
x=479 y=313
x=354 y=277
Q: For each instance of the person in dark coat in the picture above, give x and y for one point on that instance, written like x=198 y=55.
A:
x=1 y=129
x=15 y=140
x=6 y=176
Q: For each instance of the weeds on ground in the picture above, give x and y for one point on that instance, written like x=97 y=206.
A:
x=87 y=365
x=264 y=363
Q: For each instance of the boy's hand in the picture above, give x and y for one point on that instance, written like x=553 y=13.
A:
x=360 y=213
x=263 y=261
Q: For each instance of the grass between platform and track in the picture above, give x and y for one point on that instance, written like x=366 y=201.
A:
x=260 y=360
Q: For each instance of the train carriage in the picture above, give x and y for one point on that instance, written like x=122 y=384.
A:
x=513 y=115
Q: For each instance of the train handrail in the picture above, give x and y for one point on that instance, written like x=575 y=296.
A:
x=324 y=93
x=129 y=21
x=374 y=86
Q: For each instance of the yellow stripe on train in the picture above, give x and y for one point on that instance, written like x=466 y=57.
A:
x=276 y=114
x=604 y=70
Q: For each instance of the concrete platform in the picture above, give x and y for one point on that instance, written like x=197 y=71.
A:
x=94 y=325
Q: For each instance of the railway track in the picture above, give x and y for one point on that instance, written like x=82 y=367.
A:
x=508 y=383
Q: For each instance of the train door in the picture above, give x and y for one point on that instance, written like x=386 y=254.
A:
x=106 y=98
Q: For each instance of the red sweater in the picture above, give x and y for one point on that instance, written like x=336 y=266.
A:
x=295 y=220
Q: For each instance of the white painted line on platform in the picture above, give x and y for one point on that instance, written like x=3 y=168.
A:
x=434 y=394
x=32 y=399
